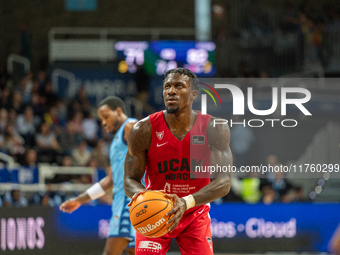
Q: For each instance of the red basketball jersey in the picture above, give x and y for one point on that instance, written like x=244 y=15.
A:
x=171 y=163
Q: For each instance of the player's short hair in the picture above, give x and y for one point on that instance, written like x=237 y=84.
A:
x=187 y=72
x=113 y=102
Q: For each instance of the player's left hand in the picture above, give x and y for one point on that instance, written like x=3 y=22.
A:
x=178 y=211
x=134 y=197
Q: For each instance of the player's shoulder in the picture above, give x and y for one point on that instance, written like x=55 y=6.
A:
x=142 y=125
x=139 y=138
x=127 y=128
x=130 y=124
x=218 y=123
x=141 y=129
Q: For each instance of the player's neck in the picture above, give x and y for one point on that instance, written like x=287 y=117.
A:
x=181 y=120
x=122 y=120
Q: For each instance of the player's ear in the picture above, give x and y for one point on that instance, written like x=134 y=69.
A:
x=119 y=111
x=193 y=94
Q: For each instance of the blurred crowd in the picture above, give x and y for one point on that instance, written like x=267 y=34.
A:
x=293 y=33
x=269 y=188
x=37 y=126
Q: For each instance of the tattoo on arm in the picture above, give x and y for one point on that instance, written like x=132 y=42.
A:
x=139 y=141
x=220 y=154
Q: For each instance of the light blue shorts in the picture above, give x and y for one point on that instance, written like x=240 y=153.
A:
x=120 y=225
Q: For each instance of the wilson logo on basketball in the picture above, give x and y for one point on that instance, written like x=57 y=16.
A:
x=148 y=228
x=140 y=213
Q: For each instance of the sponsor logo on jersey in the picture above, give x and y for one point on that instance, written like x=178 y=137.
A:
x=167 y=187
x=181 y=167
x=149 y=245
x=198 y=139
x=159 y=145
x=148 y=228
x=160 y=135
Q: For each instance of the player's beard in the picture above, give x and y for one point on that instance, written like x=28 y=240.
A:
x=171 y=111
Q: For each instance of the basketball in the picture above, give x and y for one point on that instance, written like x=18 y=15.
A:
x=147 y=214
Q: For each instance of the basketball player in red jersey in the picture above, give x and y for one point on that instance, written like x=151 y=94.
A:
x=163 y=144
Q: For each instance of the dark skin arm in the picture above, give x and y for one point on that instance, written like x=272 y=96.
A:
x=220 y=153
x=139 y=141
x=218 y=138
x=73 y=204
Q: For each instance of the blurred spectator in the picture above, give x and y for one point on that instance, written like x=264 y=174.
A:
x=31 y=158
x=3 y=119
x=77 y=121
x=90 y=128
x=68 y=138
x=73 y=108
x=61 y=112
x=93 y=162
x=13 y=144
x=51 y=117
x=242 y=138
x=47 y=144
x=297 y=195
x=281 y=185
x=41 y=79
x=81 y=155
x=272 y=161
x=36 y=105
x=250 y=188
x=12 y=116
x=264 y=74
x=67 y=161
x=25 y=125
x=97 y=153
x=45 y=200
x=59 y=178
x=26 y=87
x=82 y=100
x=15 y=199
x=17 y=103
x=268 y=195
x=50 y=97
x=5 y=101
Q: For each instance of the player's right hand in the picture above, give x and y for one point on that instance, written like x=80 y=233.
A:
x=70 y=205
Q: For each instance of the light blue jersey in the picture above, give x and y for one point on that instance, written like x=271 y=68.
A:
x=120 y=225
x=118 y=152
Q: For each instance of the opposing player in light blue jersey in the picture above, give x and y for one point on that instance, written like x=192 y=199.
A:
x=122 y=235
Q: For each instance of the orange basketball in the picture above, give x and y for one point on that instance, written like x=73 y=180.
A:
x=147 y=214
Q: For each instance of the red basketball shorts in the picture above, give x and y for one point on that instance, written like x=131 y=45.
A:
x=193 y=236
